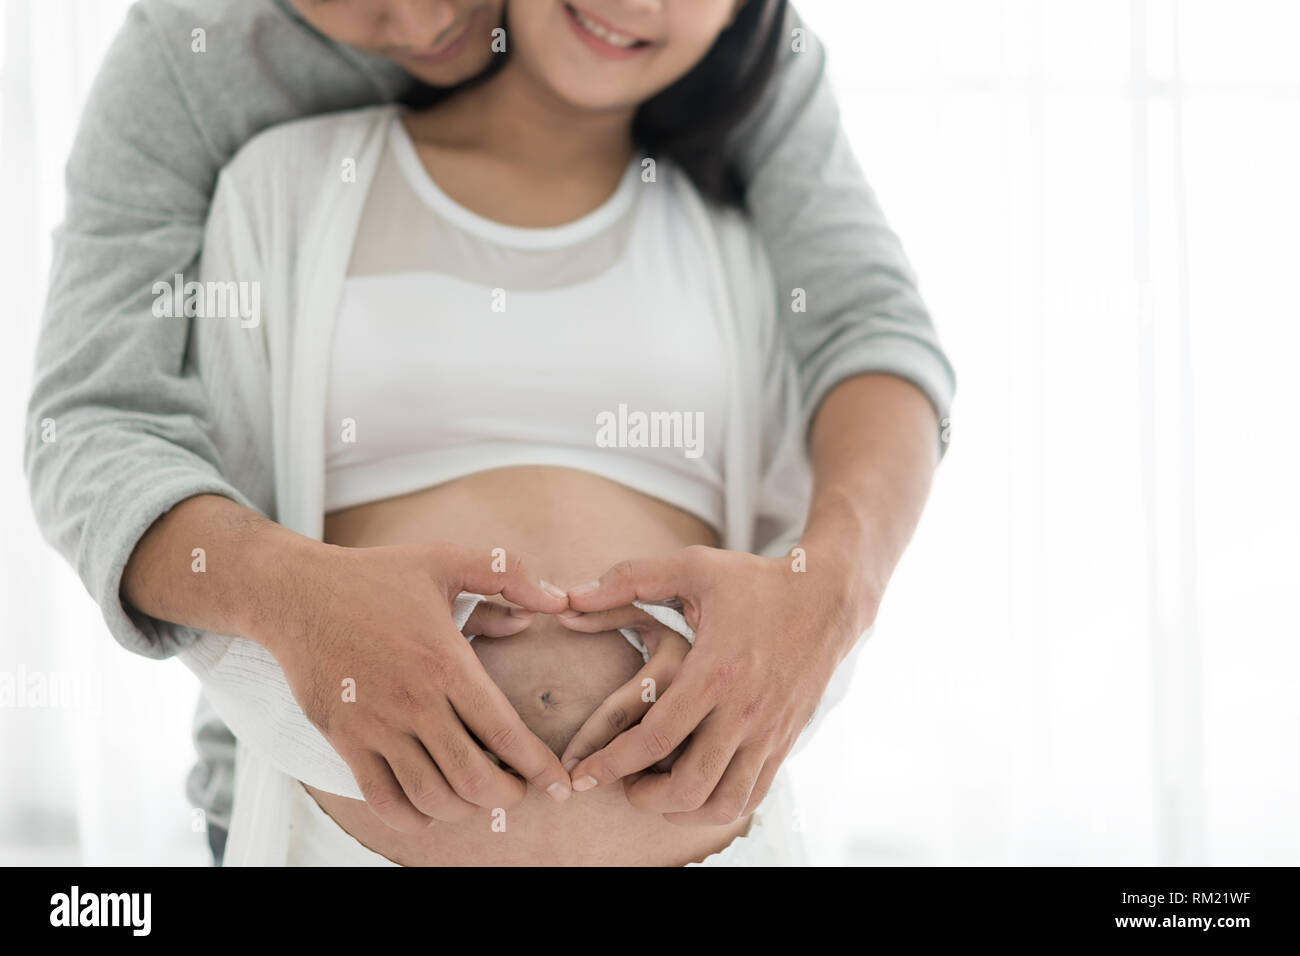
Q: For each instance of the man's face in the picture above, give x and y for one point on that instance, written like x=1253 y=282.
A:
x=440 y=42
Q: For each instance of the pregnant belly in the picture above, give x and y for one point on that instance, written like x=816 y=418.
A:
x=573 y=525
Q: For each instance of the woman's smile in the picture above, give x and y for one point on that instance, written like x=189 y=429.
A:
x=601 y=37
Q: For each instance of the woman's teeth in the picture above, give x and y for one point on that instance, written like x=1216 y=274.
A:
x=609 y=36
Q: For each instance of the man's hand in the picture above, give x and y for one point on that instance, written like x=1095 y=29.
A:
x=425 y=711
x=767 y=641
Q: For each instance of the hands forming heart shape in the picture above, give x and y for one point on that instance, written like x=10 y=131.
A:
x=766 y=644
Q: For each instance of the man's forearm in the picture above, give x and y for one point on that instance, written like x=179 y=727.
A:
x=873 y=456
x=213 y=564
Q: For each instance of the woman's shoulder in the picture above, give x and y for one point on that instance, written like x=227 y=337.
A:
x=682 y=203
x=303 y=152
x=727 y=225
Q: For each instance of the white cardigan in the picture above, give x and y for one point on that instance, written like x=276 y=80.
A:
x=284 y=214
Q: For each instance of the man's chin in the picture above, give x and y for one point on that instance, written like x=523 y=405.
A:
x=447 y=75
x=461 y=59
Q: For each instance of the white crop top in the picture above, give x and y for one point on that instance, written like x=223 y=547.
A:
x=462 y=344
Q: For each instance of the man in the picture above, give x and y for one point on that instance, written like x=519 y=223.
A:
x=132 y=484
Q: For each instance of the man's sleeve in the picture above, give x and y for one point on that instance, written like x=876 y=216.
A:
x=114 y=431
x=825 y=234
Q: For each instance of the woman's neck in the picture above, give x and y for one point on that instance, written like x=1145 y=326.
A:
x=519 y=120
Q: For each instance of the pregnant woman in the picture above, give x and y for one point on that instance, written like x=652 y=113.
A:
x=529 y=319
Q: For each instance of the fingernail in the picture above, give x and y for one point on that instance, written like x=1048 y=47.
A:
x=558 y=791
x=584 y=783
x=570 y=764
x=585 y=588
x=569 y=614
x=552 y=590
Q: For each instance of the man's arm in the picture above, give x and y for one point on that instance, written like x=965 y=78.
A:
x=109 y=387
x=768 y=640
x=114 y=433
x=248 y=563
x=379 y=617
x=825 y=234
x=873 y=456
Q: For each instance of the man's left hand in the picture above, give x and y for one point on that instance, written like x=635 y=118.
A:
x=768 y=636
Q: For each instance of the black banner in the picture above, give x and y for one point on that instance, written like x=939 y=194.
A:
x=1223 y=906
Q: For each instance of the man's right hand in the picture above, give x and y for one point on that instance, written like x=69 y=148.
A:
x=380 y=617
x=369 y=648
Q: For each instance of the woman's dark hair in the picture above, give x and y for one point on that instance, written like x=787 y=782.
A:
x=691 y=121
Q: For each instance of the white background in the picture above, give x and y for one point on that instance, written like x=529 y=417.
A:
x=1089 y=654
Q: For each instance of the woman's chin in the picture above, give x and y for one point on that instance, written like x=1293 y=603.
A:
x=597 y=95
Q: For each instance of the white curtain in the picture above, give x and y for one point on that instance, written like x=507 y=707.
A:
x=1088 y=655
x=97 y=774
